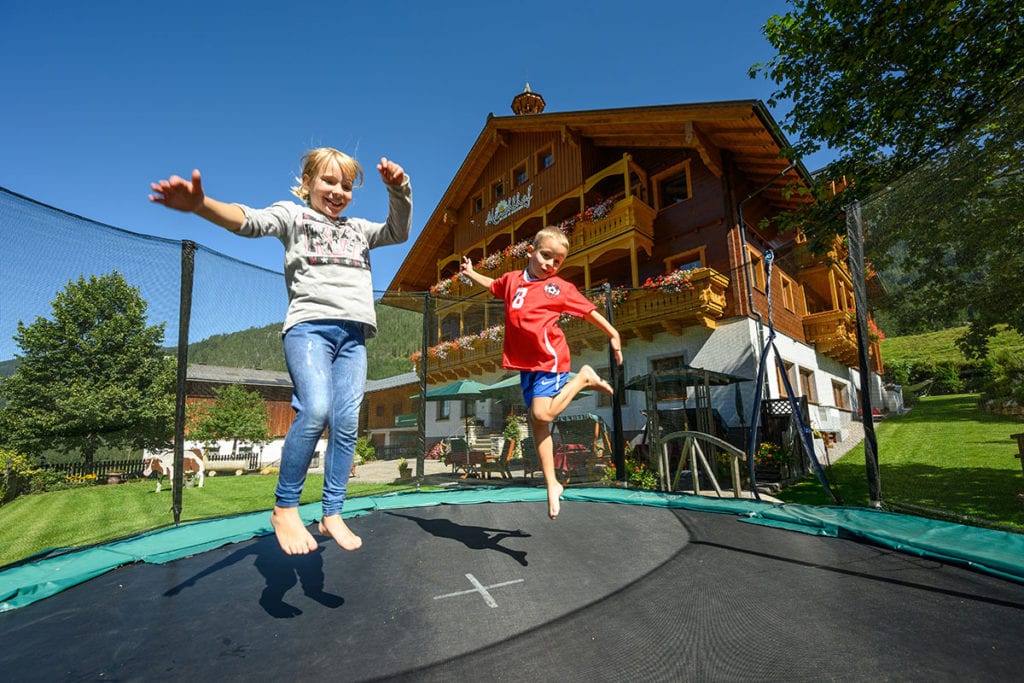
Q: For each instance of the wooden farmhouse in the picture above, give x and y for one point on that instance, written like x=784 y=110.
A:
x=648 y=196
x=387 y=415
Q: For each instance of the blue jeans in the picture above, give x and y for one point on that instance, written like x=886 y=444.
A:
x=327 y=362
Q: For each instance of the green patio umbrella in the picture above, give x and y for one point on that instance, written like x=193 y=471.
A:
x=460 y=390
x=463 y=389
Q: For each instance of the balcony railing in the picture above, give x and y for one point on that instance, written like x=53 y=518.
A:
x=834 y=334
x=644 y=314
x=627 y=216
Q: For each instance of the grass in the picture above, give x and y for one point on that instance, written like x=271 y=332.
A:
x=944 y=458
x=940 y=347
x=95 y=514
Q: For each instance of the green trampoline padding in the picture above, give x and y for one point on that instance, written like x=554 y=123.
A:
x=998 y=553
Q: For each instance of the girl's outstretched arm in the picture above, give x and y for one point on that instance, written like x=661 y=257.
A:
x=187 y=195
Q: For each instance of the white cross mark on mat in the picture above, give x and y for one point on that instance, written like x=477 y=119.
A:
x=481 y=589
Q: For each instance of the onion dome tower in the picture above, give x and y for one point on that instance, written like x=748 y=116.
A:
x=527 y=102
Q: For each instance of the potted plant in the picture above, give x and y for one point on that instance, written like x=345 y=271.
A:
x=404 y=470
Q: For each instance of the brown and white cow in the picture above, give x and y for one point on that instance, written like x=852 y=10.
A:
x=163 y=464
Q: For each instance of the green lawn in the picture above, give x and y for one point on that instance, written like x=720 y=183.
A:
x=940 y=346
x=94 y=514
x=943 y=458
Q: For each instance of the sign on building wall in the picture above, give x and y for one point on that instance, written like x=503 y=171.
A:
x=507 y=207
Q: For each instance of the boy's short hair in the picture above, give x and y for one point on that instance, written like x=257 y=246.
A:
x=553 y=233
x=314 y=161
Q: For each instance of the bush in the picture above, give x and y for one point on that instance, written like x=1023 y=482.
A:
x=638 y=475
x=365 y=452
x=1005 y=386
x=14 y=474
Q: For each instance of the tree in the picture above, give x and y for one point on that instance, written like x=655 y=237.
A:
x=236 y=414
x=918 y=86
x=93 y=375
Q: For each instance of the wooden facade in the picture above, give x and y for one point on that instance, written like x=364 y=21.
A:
x=387 y=404
x=672 y=182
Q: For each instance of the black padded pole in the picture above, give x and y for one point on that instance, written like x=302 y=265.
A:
x=188 y=252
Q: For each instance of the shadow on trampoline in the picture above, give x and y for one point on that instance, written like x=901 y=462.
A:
x=473 y=537
x=280 y=574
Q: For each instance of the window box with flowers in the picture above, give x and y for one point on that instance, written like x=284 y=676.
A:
x=676 y=281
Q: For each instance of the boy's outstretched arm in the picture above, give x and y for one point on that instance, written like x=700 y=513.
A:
x=187 y=195
x=466 y=268
x=599 y=320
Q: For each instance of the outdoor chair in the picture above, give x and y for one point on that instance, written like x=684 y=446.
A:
x=531 y=461
x=581 y=443
x=461 y=456
x=458 y=454
x=500 y=462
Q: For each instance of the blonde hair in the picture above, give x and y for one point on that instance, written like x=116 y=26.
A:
x=553 y=233
x=315 y=161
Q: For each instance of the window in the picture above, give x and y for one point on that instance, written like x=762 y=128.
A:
x=545 y=159
x=757 y=268
x=789 y=375
x=519 y=175
x=672 y=186
x=379 y=410
x=478 y=203
x=788 y=298
x=807 y=385
x=841 y=395
x=444 y=410
x=498 y=189
x=396 y=409
x=687 y=260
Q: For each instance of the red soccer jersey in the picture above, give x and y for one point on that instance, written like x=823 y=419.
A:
x=533 y=340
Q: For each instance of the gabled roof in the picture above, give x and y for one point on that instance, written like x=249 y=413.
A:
x=216 y=374
x=744 y=128
x=406 y=378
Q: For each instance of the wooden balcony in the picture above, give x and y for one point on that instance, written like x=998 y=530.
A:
x=630 y=220
x=644 y=314
x=629 y=217
x=833 y=333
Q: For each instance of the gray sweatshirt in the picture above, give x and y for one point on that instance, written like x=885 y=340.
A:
x=326 y=262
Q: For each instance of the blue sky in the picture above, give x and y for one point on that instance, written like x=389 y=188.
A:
x=101 y=98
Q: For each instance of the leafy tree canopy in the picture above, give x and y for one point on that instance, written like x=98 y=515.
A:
x=923 y=97
x=236 y=414
x=92 y=375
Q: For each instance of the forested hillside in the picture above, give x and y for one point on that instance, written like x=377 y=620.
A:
x=400 y=333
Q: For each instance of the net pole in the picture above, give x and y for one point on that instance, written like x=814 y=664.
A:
x=188 y=261
x=421 y=421
x=855 y=239
x=615 y=372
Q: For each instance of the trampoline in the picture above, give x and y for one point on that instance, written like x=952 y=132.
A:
x=471 y=585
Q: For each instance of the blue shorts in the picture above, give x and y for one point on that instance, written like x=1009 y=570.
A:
x=539 y=383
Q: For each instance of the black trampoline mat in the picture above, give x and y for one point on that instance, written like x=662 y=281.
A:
x=498 y=591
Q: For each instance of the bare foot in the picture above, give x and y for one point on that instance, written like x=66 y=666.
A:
x=554 y=493
x=335 y=527
x=291 y=533
x=594 y=380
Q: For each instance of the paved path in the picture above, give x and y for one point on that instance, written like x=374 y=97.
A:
x=386 y=471
x=854 y=435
